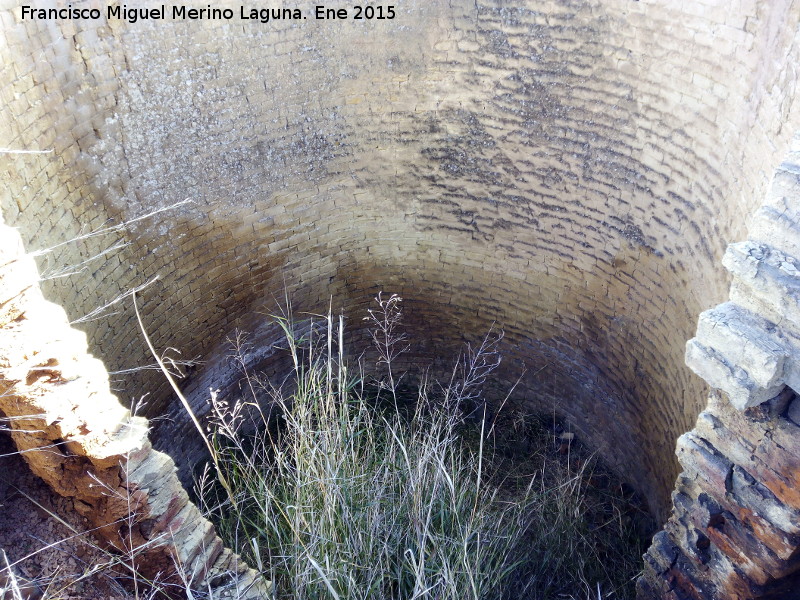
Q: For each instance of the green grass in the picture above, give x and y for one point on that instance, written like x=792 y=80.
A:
x=353 y=492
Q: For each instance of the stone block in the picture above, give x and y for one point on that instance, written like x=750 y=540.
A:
x=746 y=342
x=770 y=275
x=741 y=390
x=699 y=457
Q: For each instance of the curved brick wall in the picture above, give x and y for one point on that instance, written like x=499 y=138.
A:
x=571 y=170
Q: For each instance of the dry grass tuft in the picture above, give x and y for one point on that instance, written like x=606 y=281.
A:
x=357 y=491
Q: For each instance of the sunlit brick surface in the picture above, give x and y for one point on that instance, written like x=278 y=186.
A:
x=571 y=170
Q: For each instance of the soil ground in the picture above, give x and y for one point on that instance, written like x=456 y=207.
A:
x=47 y=556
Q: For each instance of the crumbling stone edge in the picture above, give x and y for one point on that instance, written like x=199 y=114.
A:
x=734 y=531
x=77 y=437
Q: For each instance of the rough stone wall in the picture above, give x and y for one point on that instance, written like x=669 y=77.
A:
x=76 y=436
x=734 y=531
x=572 y=170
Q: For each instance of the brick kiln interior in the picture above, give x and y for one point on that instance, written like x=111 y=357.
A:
x=572 y=171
